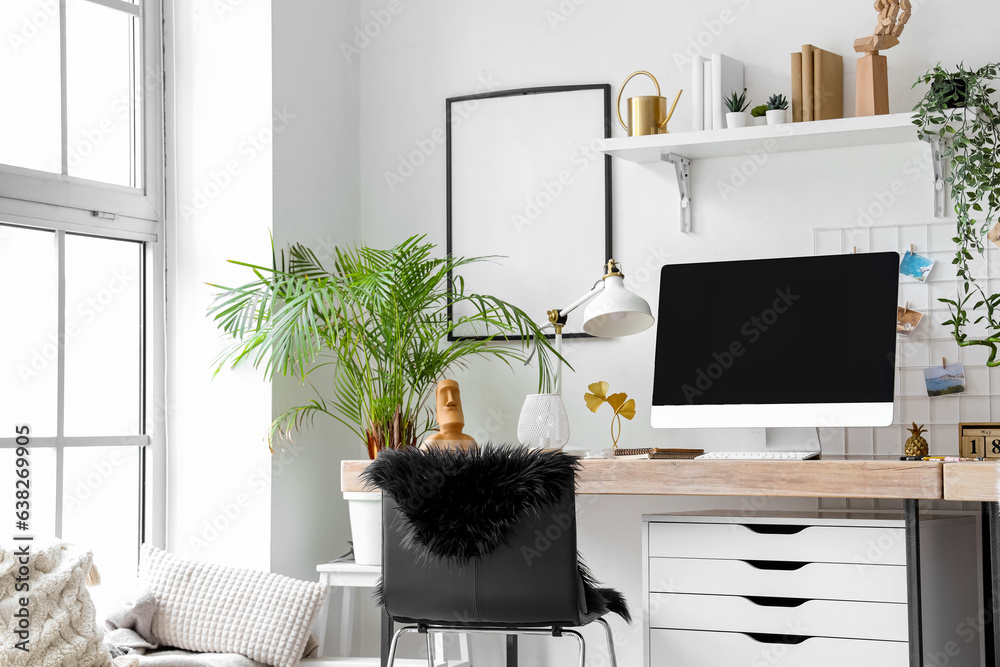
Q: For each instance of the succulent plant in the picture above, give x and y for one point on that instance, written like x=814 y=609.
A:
x=777 y=102
x=759 y=110
x=737 y=103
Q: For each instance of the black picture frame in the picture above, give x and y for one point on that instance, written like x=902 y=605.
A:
x=454 y=114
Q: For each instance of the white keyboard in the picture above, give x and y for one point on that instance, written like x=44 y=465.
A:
x=758 y=456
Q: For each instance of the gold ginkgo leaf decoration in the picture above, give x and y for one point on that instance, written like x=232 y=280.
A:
x=620 y=403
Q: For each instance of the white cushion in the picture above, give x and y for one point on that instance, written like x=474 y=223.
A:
x=216 y=609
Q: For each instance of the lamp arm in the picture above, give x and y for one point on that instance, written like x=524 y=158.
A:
x=598 y=288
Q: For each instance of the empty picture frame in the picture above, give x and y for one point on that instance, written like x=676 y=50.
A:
x=527 y=184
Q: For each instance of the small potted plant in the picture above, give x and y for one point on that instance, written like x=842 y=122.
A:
x=758 y=113
x=737 y=105
x=777 y=109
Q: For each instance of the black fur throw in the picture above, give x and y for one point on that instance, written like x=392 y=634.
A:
x=461 y=521
x=461 y=517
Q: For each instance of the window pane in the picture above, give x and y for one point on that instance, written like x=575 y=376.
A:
x=42 y=480
x=30 y=133
x=29 y=336
x=101 y=99
x=101 y=513
x=103 y=336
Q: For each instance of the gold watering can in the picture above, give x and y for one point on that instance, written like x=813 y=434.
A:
x=646 y=114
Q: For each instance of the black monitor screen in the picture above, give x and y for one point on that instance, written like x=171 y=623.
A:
x=796 y=330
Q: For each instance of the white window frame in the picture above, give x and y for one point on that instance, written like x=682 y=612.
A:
x=66 y=204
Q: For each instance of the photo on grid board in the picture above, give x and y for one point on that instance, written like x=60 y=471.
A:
x=945 y=380
x=907 y=320
x=916 y=266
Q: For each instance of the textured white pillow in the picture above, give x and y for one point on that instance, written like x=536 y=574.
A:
x=216 y=609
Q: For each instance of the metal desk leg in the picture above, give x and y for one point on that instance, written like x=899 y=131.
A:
x=387 y=631
x=911 y=512
x=511 y=650
x=991 y=580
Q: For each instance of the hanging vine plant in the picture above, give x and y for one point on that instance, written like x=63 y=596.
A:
x=958 y=108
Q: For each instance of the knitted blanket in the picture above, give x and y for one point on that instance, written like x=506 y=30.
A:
x=52 y=622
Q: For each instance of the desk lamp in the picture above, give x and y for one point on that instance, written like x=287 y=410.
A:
x=614 y=312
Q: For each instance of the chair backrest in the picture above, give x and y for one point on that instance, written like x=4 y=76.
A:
x=533 y=578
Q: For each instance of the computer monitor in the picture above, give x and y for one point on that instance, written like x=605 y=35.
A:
x=791 y=342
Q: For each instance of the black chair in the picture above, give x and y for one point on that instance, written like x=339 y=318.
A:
x=484 y=541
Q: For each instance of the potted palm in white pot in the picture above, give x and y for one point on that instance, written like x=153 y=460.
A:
x=381 y=318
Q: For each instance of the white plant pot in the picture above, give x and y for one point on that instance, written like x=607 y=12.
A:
x=365 y=508
x=759 y=120
x=736 y=119
x=777 y=116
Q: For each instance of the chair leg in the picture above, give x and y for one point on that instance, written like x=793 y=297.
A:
x=395 y=642
x=611 y=642
x=430 y=649
x=583 y=646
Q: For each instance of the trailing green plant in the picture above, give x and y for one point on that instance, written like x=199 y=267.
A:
x=759 y=111
x=381 y=319
x=737 y=103
x=777 y=102
x=970 y=141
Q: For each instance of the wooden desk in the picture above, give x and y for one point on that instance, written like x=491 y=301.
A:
x=831 y=477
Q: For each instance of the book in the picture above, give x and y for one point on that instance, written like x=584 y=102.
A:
x=709 y=117
x=698 y=93
x=657 y=453
x=797 y=87
x=807 y=82
x=828 y=85
x=727 y=76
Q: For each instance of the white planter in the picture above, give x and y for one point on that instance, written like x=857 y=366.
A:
x=737 y=119
x=365 y=508
x=777 y=116
x=759 y=120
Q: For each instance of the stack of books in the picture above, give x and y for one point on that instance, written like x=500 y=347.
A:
x=817 y=84
x=712 y=80
x=657 y=453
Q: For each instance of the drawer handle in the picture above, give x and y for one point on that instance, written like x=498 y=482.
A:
x=784 y=565
x=764 y=638
x=773 y=528
x=762 y=601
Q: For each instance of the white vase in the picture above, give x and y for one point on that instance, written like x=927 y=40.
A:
x=543 y=422
x=777 y=116
x=736 y=119
x=365 y=508
x=759 y=120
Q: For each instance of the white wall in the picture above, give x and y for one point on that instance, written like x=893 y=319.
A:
x=218 y=463
x=431 y=51
x=316 y=203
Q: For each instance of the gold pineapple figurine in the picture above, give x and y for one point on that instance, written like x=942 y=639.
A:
x=916 y=445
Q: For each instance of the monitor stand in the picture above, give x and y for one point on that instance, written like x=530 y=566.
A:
x=804 y=439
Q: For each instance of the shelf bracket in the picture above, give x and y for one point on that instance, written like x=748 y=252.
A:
x=682 y=166
x=940 y=188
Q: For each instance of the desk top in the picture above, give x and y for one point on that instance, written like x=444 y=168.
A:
x=971 y=480
x=830 y=477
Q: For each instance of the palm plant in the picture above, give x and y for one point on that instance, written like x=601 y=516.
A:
x=381 y=318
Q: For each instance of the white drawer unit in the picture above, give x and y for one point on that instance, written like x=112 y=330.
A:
x=806 y=589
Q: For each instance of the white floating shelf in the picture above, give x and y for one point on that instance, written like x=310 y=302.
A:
x=786 y=138
x=681 y=148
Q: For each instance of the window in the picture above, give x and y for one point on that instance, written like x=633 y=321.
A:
x=81 y=225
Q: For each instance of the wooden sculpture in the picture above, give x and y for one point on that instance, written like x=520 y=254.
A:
x=450 y=418
x=873 y=74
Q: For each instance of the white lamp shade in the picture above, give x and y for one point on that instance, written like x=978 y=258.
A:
x=616 y=311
